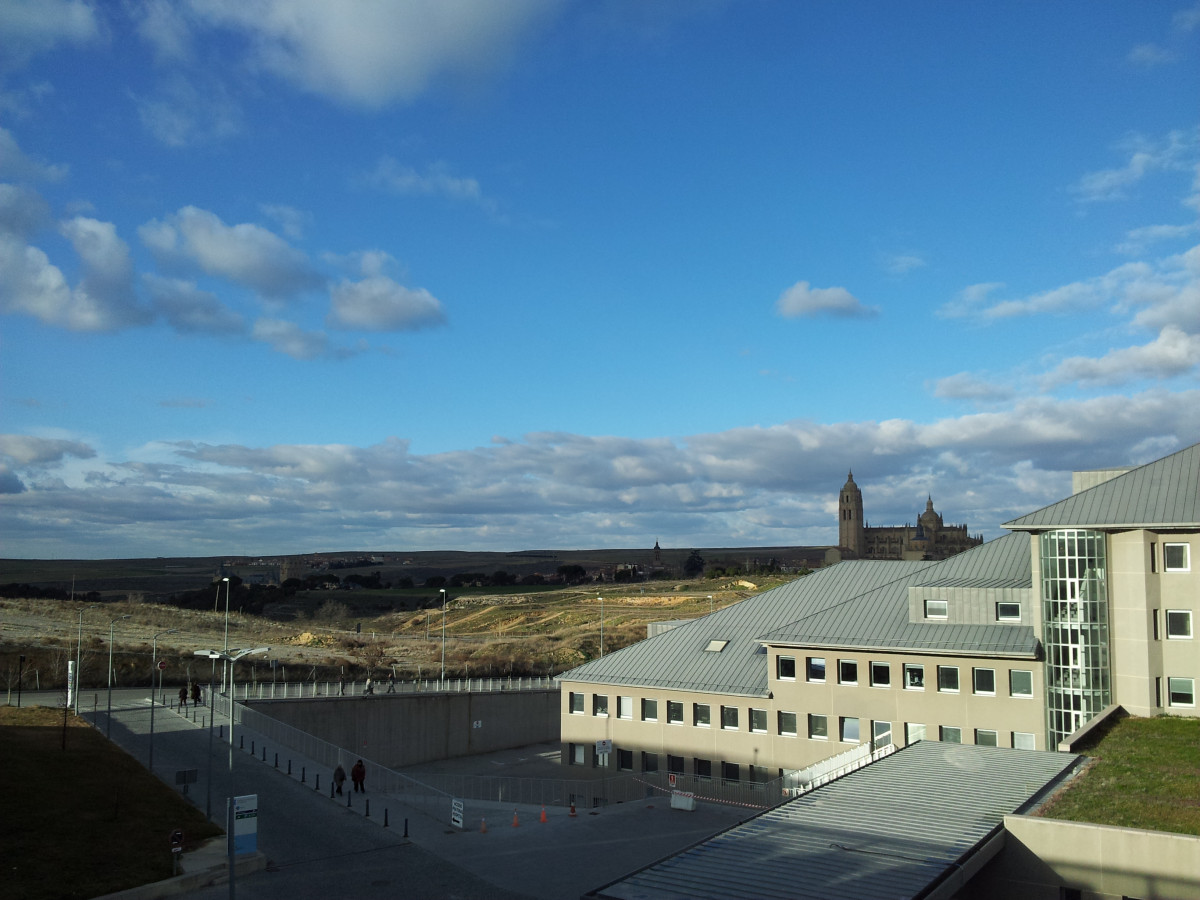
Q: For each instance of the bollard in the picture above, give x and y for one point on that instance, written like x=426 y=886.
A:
x=349 y=794
x=241 y=742
x=368 y=813
x=406 y=826
x=385 y=825
x=289 y=763
x=330 y=790
x=251 y=746
x=304 y=774
x=220 y=732
x=264 y=753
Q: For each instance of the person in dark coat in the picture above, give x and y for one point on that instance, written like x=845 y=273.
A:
x=358 y=775
x=183 y=697
x=339 y=778
x=196 y=694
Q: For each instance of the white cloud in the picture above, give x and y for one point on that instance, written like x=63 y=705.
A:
x=380 y=304
x=373 y=54
x=903 y=263
x=162 y=24
x=1175 y=152
x=190 y=310
x=1138 y=240
x=965 y=386
x=247 y=254
x=436 y=180
x=22 y=211
x=290 y=339
x=189 y=110
x=802 y=300
x=31 y=26
x=1170 y=354
x=292 y=222
x=16 y=165
x=1151 y=55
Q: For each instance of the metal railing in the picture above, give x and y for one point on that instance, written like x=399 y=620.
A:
x=835 y=767
x=298 y=690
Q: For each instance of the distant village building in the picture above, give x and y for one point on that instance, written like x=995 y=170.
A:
x=930 y=538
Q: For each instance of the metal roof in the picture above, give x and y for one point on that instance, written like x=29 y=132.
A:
x=893 y=829
x=1161 y=494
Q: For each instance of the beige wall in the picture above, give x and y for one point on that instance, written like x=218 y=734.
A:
x=1040 y=856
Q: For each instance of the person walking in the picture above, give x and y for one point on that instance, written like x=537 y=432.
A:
x=183 y=697
x=342 y=686
x=391 y=683
x=339 y=778
x=370 y=685
x=196 y=693
x=358 y=775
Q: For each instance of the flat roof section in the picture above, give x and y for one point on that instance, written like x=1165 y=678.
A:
x=893 y=829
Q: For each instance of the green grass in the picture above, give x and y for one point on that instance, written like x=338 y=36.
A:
x=84 y=821
x=1145 y=774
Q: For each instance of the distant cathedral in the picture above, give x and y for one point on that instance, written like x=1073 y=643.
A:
x=930 y=538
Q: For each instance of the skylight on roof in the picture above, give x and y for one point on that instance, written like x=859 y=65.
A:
x=715 y=646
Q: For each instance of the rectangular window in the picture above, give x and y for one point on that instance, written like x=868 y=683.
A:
x=948 y=679
x=1181 y=691
x=787 y=723
x=1154 y=620
x=818 y=727
x=625 y=760
x=847 y=671
x=816 y=668
x=729 y=718
x=702 y=768
x=881 y=674
x=1020 y=683
x=649 y=710
x=936 y=609
x=675 y=712
x=913 y=732
x=700 y=714
x=599 y=704
x=951 y=735
x=1177 y=558
x=1153 y=556
x=1008 y=612
x=600 y=761
x=986 y=738
x=757 y=774
x=624 y=707
x=731 y=771
x=914 y=677
x=785 y=668
x=849 y=730
x=675 y=764
x=985 y=681
x=881 y=734
x=577 y=752
x=1179 y=624
x=758 y=721
x=649 y=761
x=576 y=704
x=1023 y=740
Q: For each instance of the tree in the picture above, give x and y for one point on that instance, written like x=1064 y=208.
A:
x=572 y=574
x=693 y=565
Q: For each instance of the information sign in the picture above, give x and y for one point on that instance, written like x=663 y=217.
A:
x=456 y=813
x=245 y=824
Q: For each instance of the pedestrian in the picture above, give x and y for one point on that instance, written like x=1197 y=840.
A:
x=342 y=688
x=391 y=683
x=339 y=778
x=183 y=697
x=358 y=775
x=370 y=685
x=196 y=694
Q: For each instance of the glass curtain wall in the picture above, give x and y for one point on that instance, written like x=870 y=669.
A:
x=1075 y=611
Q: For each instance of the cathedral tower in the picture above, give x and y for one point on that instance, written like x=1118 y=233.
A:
x=851 y=528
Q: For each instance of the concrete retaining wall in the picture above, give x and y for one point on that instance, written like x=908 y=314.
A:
x=406 y=729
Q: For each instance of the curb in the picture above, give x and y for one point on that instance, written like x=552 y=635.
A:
x=208 y=865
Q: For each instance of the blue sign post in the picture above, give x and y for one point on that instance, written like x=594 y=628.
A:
x=245 y=824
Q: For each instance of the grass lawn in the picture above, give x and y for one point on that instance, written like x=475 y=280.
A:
x=1146 y=774
x=84 y=821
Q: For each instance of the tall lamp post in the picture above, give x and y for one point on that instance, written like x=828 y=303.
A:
x=227 y=588
x=108 y=721
x=20 y=675
x=153 y=699
x=443 y=681
x=230 y=657
x=710 y=604
x=79 y=654
x=601 y=599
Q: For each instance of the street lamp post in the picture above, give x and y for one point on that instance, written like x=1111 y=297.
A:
x=223 y=683
x=230 y=657
x=443 y=681
x=20 y=675
x=153 y=699
x=710 y=604
x=79 y=653
x=601 y=599
x=108 y=721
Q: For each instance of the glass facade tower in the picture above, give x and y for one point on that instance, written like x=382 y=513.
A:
x=1075 y=618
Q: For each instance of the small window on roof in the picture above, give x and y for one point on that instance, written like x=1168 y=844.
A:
x=715 y=646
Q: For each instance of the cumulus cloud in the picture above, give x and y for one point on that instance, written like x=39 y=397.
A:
x=804 y=301
x=22 y=211
x=1138 y=240
x=190 y=310
x=1170 y=354
x=380 y=304
x=246 y=254
x=16 y=165
x=28 y=27
x=373 y=54
x=292 y=222
x=290 y=339
x=1176 y=151
x=965 y=386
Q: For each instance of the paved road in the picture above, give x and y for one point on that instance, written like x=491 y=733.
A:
x=318 y=848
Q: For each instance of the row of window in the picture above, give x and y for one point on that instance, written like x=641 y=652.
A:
x=1006 y=610
x=983 y=680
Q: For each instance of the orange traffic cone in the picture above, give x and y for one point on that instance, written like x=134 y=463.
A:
x=543 y=819
x=572 y=809
x=483 y=826
x=515 y=822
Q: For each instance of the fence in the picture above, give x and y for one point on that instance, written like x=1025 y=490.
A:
x=298 y=690
x=835 y=767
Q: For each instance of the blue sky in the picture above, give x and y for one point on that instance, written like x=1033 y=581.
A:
x=278 y=277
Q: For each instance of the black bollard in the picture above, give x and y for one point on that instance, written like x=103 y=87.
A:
x=264 y=753
x=331 y=790
x=289 y=763
x=349 y=794
x=241 y=742
x=252 y=746
x=385 y=825
x=368 y=813
x=406 y=827
x=304 y=774
x=220 y=732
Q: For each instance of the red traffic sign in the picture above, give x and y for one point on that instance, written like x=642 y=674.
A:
x=162 y=663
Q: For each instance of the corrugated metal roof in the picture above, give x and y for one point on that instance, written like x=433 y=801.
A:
x=888 y=831
x=1161 y=494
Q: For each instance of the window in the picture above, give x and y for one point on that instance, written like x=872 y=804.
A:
x=1022 y=740
x=700 y=714
x=881 y=674
x=936 y=609
x=914 y=677
x=785 y=668
x=715 y=646
x=577 y=752
x=818 y=727
x=986 y=738
x=649 y=710
x=1176 y=558
x=599 y=704
x=731 y=771
x=948 y=679
x=847 y=671
x=1020 y=683
x=1153 y=556
x=1179 y=624
x=913 y=732
x=576 y=704
x=1008 y=612
x=881 y=734
x=1181 y=691
x=729 y=718
x=624 y=707
x=985 y=681
x=625 y=760
x=702 y=768
x=951 y=735
x=600 y=761
x=675 y=764
x=758 y=721
x=816 y=668
x=849 y=730
x=675 y=712
x=787 y=723
x=649 y=761
x=757 y=774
